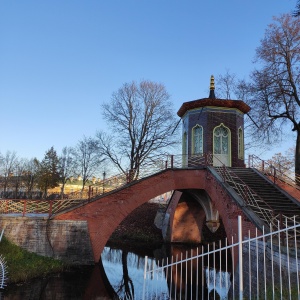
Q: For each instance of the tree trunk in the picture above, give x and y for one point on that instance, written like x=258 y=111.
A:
x=62 y=191
x=297 y=158
x=128 y=285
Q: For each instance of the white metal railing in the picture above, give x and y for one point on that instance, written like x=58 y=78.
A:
x=259 y=267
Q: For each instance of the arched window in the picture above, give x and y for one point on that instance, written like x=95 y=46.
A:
x=240 y=143
x=197 y=140
x=222 y=146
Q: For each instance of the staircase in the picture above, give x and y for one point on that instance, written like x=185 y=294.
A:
x=280 y=201
x=262 y=195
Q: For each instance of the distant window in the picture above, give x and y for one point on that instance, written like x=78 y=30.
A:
x=240 y=143
x=197 y=139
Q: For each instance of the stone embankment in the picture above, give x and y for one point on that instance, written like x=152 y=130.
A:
x=69 y=240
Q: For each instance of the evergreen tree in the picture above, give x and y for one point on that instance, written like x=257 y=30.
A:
x=48 y=172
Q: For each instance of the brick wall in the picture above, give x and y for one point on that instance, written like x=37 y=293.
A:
x=209 y=118
x=65 y=240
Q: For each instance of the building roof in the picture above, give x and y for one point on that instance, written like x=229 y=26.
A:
x=238 y=104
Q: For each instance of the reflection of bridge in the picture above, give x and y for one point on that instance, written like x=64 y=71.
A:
x=202 y=194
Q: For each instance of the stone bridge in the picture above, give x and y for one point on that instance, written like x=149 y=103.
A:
x=200 y=194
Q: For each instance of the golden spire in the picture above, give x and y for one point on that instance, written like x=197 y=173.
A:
x=212 y=82
x=212 y=88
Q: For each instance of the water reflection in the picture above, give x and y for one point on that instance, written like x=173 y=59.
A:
x=120 y=275
x=201 y=278
x=125 y=271
x=218 y=283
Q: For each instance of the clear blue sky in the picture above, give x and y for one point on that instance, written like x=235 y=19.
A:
x=60 y=59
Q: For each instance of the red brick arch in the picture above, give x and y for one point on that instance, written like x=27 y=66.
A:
x=106 y=213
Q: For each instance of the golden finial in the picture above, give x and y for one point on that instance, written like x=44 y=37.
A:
x=212 y=88
x=212 y=82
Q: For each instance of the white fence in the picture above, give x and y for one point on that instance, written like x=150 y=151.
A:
x=262 y=267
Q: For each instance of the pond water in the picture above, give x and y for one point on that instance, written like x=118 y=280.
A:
x=119 y=275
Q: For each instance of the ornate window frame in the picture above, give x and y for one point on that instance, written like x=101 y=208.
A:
x=200 y=137
x=229 y=141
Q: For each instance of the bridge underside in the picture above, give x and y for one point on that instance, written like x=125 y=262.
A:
x=103 y=215
x=187 y=213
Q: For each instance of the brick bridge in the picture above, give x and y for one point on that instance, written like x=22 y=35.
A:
x=214 y=200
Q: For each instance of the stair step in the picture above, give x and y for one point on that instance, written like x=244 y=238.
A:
x=273 y=198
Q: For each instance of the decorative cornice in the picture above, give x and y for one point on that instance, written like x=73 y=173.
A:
x=238 y=104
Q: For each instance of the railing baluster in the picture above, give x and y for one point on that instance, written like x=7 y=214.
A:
x=264 y=265
x=240 y=238
x=296 y=254
x=279 y=250
x=181 y=274
x=191 y=297
x=288 y=259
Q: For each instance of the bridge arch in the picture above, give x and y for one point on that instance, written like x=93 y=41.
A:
x=104 y=214
x=185 y=216
x=211 y=213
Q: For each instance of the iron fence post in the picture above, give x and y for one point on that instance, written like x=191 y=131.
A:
x=172 y=161
x=145 y=276
x=240 y=237
x=281 y=227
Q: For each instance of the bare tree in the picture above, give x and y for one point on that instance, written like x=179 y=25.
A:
x=8 y=163
x=19 y=171
x=88 y=158
x=275 y=102
x=30 y=176
x=142 y=122
x=282 y=163
x=230 y=87
x=297 y=10
x=226 y=85
x=66 y=167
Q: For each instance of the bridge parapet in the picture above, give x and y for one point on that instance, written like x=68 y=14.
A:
x=27 y=207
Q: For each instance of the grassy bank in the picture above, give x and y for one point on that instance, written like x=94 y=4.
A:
x=23 y=265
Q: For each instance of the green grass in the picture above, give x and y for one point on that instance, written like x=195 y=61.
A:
x=23 y=265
